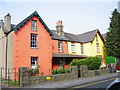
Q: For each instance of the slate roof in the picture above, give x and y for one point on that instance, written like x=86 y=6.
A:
x=3 y=27
x=82 y=38
x=67 y=37
x=57 y=37
x=89 y=36
x=72 y=37
x=67 y=55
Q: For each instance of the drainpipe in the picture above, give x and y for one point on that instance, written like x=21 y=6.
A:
x=6 y=56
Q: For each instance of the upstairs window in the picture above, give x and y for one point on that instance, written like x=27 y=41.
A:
x=34 y=62
x=73 y=48
x=34 y=25
x=82 y=49
x=96 y=38
x=97 y=48
x=60 y=46
x=33 y=41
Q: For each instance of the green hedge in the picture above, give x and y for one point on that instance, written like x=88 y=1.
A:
x=93 y=63
x=60 y=71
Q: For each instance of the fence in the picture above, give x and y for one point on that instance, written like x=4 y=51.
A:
x=21 y=77
x=9 y=77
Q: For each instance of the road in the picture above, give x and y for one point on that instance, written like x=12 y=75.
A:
x=101 y=84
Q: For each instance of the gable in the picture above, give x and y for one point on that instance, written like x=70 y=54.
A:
x=29 y=17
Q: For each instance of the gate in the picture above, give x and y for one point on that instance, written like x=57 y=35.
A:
x=9 y=77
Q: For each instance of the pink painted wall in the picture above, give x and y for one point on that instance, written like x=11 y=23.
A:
x=23 y=51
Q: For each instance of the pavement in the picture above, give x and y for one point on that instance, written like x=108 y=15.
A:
x=74 y=82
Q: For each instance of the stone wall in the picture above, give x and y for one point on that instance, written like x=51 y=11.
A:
x=52 y=78
x=84 y=72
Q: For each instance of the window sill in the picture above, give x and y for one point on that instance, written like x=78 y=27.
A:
x=60 y=51
x=34 y=48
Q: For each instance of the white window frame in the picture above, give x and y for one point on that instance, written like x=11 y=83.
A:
x=73 y=49
x=34 y=25
x=34 y=62
x=82 y=48
x=97 y=48
x=60 y=46
x=34 y=41
x=96 y=38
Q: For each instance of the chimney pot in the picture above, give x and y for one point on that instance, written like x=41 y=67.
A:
x=59 y=23
x=7 y=21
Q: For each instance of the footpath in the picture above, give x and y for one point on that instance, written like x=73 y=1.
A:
x=74 y=82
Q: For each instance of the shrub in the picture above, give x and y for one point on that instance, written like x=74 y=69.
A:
x=77 y=62
x=74 y=62
x=60 y=71
x=67 y=70
x=34 y=71
x=92 y=62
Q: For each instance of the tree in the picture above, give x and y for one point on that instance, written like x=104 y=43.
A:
x=112 y=43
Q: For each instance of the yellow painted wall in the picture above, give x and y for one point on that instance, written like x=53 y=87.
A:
x=89 y=48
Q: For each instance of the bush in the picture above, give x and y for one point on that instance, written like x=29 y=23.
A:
x=67 y=70
x=34 y=71
x=92 y=62
x=60 y=71
x=77 y=62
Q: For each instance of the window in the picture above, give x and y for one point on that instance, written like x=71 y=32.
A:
x=82 y=49
x=34 y=62
x=73 y=48
x=33 y=40
x=96 y=38
x=60 y=46
x=97 y=48
x=34 y=25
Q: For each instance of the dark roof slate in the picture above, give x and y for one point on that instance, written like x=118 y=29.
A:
x=67 y=37
x=88 y=36
x=3 y=27
x=58 y=37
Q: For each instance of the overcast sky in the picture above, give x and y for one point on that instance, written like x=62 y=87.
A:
x=77 y=16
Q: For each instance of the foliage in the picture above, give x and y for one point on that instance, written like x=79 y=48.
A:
x=10 y=82
x=34 y=71
x=76 y=62
x=60 y=71
x=112 y=43
x=92 y=62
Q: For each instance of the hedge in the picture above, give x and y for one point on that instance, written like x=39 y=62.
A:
x=93 y=63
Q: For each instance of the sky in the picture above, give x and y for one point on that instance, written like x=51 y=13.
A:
x=77 y=16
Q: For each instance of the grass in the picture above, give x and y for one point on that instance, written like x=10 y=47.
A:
x=10 y=82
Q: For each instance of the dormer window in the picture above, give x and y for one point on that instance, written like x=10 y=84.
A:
x=96 y=38
x=60 y=46
x=34 y=25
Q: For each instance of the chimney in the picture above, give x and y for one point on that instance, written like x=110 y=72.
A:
x=7 y=22
x=59 y=28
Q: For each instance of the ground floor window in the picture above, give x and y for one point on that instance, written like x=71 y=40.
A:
x=34 y=62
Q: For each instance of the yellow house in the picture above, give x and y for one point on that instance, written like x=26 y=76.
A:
x=90 y=43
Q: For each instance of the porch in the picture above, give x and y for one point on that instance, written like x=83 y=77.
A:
x=63 y=60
